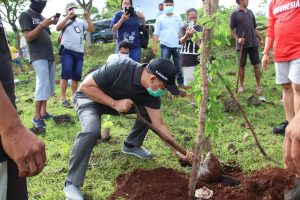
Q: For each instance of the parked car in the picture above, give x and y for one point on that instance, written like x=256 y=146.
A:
x=103 y=32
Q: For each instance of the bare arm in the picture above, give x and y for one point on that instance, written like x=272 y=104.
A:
x=20 y=144
x=90 y=88
x=120 y=22
x=266 y=57
x=157 y=122
x=90 y=27
x=155 y=40
x=237 y=38
x=33 y=34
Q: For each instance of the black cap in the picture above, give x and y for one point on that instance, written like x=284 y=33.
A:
x=165 y=71
x=168 y=1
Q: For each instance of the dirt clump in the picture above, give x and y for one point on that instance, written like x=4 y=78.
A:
x=254 y=101
x=168 y=184
x=62 y=119
x=230 y=105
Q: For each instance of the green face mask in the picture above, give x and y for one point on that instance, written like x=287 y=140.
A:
x=158 y=93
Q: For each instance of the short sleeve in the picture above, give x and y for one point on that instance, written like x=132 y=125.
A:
x=106 y=75
x=254 y=20
x=232 y=22
x=182 y=32
x=271 y=21
x=25 y=21
x=154 y=103
x=116 y=18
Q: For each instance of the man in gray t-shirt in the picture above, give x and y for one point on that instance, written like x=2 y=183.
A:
x=37 y=34
x=72 y=32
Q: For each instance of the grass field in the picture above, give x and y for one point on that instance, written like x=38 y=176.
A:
x=107 y=162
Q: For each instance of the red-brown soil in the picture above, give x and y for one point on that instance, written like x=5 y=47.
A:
x=167 y=184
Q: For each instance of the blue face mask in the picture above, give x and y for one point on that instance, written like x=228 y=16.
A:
x=169 y=9
x=158 y=93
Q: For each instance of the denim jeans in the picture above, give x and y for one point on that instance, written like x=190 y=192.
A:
x=166 y=52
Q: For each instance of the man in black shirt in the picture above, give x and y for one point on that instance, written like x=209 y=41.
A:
x=21 y=152
x=113 y=89
x=244 y=31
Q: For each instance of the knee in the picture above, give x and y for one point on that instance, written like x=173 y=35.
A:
x=287 y=87
x=296 y=88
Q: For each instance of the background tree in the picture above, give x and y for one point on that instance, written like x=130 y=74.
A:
x=10 y=9
x=111 y=6
x=86 y=5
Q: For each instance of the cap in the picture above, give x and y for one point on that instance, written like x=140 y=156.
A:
x=165 y=71
x=71 y=5
x=168 y=1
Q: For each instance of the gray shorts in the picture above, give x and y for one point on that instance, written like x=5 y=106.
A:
x=287 y=72
x=3 y=180
x=45 y=79
x=188 y=74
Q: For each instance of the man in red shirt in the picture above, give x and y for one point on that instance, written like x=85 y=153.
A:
x=283 y=35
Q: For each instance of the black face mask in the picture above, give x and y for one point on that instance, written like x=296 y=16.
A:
x=37 y=7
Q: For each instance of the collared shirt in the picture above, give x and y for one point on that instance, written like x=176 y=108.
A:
x=243 y=21
x=167 y=28
x=121 y=79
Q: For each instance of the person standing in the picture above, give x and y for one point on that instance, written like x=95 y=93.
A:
x=167 y=28
x=127 y=25
x=283 y=35
x=189 y=53
x=21 y=152
x=37 y=34
x=245 y=33
x=160 y=10
x=73 y=49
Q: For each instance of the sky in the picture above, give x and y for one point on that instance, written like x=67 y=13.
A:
x=54 y=6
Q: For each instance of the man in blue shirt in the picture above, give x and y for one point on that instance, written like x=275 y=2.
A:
x=167 y=28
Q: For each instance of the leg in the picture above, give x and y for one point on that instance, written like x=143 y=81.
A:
x=67 y=62
x=294 y=76
x=288 y=101
x=176 y=59
x=139 y=130
x=3 y=179
x=254 y=58
x=135 y=54
x=76 y=71
x=43 y=110
x=257 y=76
x=84 y=143
x=242 y=77
x=74 y=86
x=16 y=186
x=165 y=52
x=296 y=91
x=242 y=64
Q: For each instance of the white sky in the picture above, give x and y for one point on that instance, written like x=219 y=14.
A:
x=58 y=6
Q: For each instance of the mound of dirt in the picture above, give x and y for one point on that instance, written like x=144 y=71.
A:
x=167 y=184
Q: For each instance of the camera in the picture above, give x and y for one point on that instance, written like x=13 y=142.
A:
x=56 y=16
x=79 y=11
x=129 y=10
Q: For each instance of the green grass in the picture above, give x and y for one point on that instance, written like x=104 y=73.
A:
x=107 y=162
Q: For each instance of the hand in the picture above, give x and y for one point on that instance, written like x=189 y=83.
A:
x=292 y=146
x=140 y=15
x=241 y=41
x=265 y=61
x=47 y=22
x=262 y=43
x=125 y=16
x=189 y=157
x=123 y=106
x=26 y=150
x=71 y=14
x=86 y=14
x=189 y=32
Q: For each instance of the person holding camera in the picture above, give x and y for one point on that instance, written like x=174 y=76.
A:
x=126 y=23
x=37 y=34
x=189 y=54
x=73 y=50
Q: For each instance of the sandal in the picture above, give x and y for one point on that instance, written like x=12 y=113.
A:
x=241 y=90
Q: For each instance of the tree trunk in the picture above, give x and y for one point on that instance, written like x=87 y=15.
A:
x=210 y=7
x=88 y=39
x=17 y=37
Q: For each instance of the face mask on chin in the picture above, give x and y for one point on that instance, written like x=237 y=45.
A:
x=169 y=9
x=158 y=93
x=124 y=55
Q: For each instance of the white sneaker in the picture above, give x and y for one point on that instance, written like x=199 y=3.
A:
x=72 y=193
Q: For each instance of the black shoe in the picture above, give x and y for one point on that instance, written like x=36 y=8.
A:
x=281 y=128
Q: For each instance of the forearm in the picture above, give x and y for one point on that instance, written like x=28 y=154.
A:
x=8 y=111
x=33 y=34
x=183 y=39
x=155 y=39
x=97 y=95
x=258 y=34
x=117 y=25
x=234 y=35
x=268 y=45
x=90 y=27
x=62 y=24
